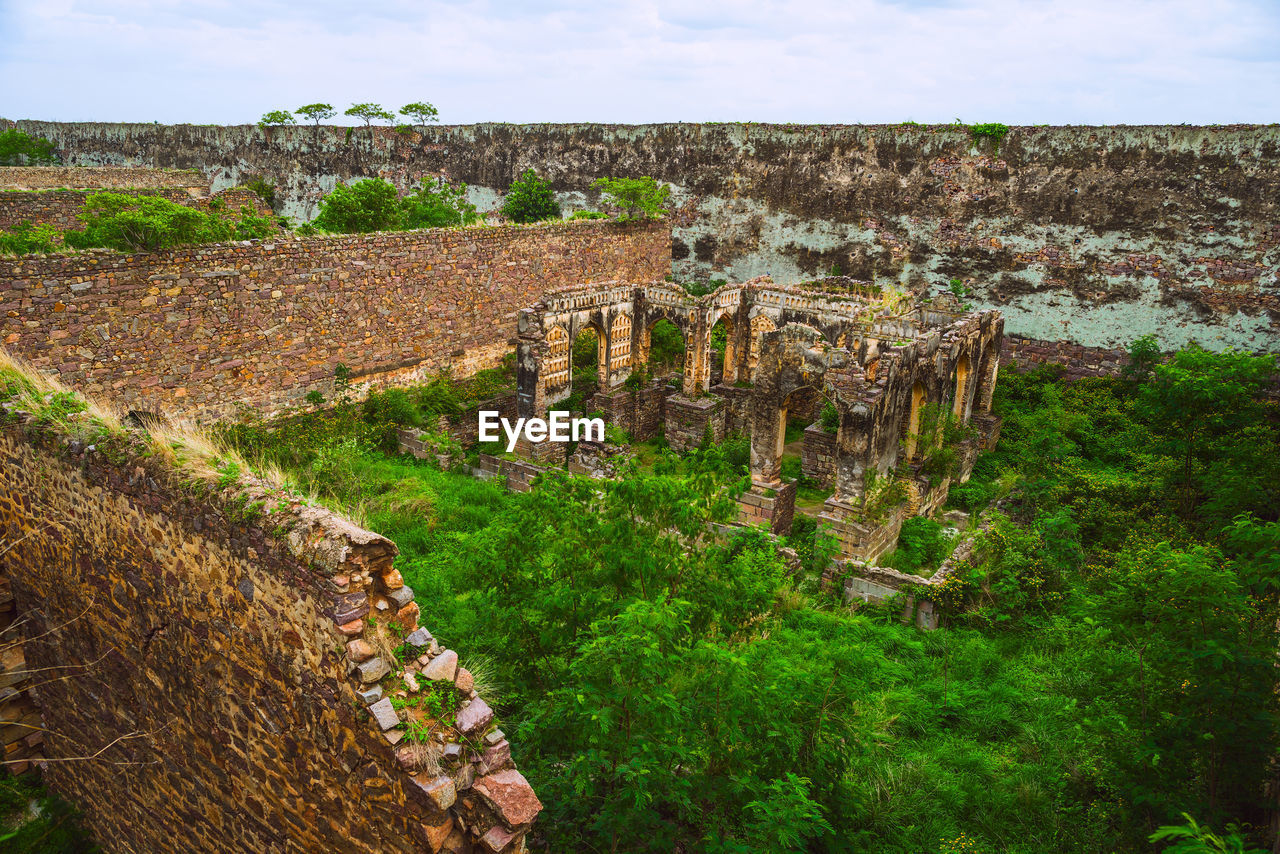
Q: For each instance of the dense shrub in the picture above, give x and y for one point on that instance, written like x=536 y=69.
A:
x=368 y=205
x=21 y=149
x=530 y=199
x=146 y=223
x=27 y=239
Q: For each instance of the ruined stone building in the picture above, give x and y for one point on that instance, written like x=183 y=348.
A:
x=906 y=380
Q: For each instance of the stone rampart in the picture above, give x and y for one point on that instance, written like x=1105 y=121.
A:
x=220 y=667
x=196 y=331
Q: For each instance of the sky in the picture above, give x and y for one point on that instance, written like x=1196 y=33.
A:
x=825 y=61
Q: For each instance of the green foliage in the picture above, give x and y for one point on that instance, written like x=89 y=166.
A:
x=368 y=205
x=264 y=189
x=922 y=545
x=438 y=205
x=666 y=348
x=146 y=223
x=21 y=149
x=576 y=215
x=367 y=112
x=276 y=118
x=638 y=198
x=1191 y=838
x=1144 y=355
x=421 y=112
x=991 y=130
x=316 y=113
x=530 y=199
x=27 y=239
x=829 y=418
x=32 y=821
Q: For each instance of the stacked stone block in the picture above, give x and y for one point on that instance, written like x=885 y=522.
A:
x=818 y=455
x=243 y=660
x=690 y=419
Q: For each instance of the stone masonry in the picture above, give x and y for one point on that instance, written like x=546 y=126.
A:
x=227 y=669
x=195 y=331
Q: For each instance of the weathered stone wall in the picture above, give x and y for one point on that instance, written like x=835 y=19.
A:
x=197 y=330
x=192 y=181
x=214 y=672
x=61 y=208
x=1091 y=235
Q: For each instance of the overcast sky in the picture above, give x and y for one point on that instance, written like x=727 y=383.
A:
x=828 y=61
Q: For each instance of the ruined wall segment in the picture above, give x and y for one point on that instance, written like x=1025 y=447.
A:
x=214 y=673
x=194 y=331
x=1087 y=235
x=191 y=181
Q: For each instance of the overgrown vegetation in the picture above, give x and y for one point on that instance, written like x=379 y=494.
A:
x=146 y=223
x=1105 y=669
x=637 y=198
x=373 y=204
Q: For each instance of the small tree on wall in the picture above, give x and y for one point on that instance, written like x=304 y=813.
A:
x=369 y=112
x=638 y=198
x=530 y=199
x=316 y=113
x=421 y=112
x=275 y=118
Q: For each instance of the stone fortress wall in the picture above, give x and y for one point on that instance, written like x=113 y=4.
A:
x=197 y=330
x=214 y=665
x=1084 y=236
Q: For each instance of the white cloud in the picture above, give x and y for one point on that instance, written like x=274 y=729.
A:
x=1016 y=61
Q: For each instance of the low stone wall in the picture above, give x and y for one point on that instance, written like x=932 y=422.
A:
x=737 y=413
x=197 y=331
x=818 y=455
x=20 y=734
x=102 y=178
x=1077 y=360
x=236 y=671
x=689 y=419
x=61 y=208
x=516 y=475
x=639 y=411
x=773 y=508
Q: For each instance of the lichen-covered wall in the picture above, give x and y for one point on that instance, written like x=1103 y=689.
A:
x=196 y=331
x=211 y=674
x=1092 y=235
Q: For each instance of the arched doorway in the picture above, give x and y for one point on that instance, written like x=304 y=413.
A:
x=665 y=348
x=724 y=363
x=760 y=324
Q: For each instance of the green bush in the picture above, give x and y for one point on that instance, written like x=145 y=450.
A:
x=27 y=239
x=576 y=215
x=146 y=223
x=530 y=199
x=365 y=206
x=437 y=206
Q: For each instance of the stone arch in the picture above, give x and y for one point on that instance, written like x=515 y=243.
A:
x=760 y=324
x=729 y=363
x=654 y=320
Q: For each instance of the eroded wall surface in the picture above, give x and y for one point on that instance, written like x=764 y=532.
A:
x=203 y=670
x=1092 y=235
x=196 y=331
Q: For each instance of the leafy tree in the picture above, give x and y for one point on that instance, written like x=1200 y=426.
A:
x=369 y=112
x=1199 y=396
x=530 y=199
x=1144 y=355
x=436 y=206
x=369 y=205
x=421 y=112
x=276 y=117
x=316 y=113
x=639 y=198
x=20 y=149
